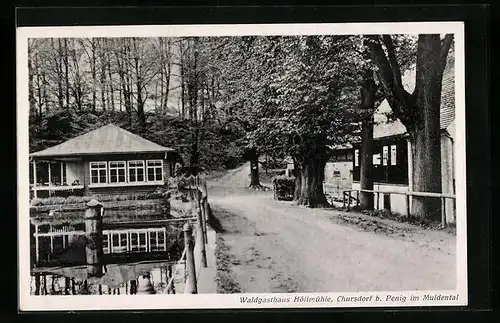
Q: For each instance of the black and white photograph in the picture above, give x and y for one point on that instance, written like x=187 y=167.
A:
x=241 y=166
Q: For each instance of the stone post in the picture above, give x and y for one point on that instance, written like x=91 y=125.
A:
x=93 y=233
x=144 y=285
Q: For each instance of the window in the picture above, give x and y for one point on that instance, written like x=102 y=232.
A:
x=393 y=155
x=105 y=243
x=117 y=172
x=136 y=171
x=152 y=241
x=155 y=170
x=157 y=240
x=385 y=155
x=376 y=159
x=119 y=242
x=98 y=172
x=138 y=242
x=356 y=157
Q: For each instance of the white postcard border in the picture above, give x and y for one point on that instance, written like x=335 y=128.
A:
x=29 y=302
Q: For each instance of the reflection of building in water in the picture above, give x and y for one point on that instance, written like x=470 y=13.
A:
x=65 y=244
x=119 y=280
x=134 y=240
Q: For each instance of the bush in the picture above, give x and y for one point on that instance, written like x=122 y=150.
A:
x=55 y=200
x=284 y=187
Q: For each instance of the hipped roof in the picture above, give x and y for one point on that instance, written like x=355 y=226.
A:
x=109 y=139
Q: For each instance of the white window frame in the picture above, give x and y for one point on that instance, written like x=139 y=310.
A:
x=136 y=168
x=157 y=246
x=385 y=155
x=356 y=157
x=106 y=238
x=394 y=154
x=154 y=167
x=117 y=168
x=138 y=247
x=92 y=166
x=120 y=248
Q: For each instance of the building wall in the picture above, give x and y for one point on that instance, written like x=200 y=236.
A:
x=448 y=175
x=167 y=172
x=397 y=201
x=338 y=177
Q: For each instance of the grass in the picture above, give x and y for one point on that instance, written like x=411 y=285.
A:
x=421 y=222
x=224 y=277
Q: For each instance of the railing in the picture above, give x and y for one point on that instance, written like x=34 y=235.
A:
x=195 y=240
x=170 y=286
x=347 y=195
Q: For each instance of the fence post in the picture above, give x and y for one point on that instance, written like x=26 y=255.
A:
x=343 y=199
x=378 y=200
x=93 y=233
x=191 y=287
x=200 y=235
x=357 y=198
x=443 y=211
x=408 y=214
x=204 y=213
x=349 y=199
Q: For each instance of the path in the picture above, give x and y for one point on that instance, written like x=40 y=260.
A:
x=277 y=246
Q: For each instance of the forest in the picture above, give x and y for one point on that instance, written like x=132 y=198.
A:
x=223 y=100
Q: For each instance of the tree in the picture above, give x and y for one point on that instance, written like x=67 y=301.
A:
x=310 y=105
x=367 y=106
x=238 y=85
x=418 y=111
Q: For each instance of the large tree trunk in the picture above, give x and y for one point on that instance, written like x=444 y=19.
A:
x=298 y=180
x=366 y=164
x=253 y=157
x=367 y=106
x=427 y=133
x=419 y=111
x=312 y=176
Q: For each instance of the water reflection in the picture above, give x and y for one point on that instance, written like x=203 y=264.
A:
x=129 y=279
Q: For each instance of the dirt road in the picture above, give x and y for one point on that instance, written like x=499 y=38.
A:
x=277 y=246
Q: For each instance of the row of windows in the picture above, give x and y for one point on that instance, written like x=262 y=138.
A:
x=137 y=240
x=390 y=162
x=135 y=171
x=377 y=158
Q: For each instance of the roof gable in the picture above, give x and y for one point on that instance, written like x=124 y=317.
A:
x=384 y=128
x=109 y=139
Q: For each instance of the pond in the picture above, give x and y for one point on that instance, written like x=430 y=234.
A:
x=119 y=279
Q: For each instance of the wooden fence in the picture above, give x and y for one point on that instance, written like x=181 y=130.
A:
x=195 y=239
x=347 y=195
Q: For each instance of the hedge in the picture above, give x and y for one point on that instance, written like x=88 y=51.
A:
x=284 y=187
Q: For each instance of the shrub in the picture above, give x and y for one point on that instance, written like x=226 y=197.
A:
x=178 y=169
x=284 y=187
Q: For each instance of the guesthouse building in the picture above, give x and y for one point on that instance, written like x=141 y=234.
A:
x=107 y=160
x=392 y=157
